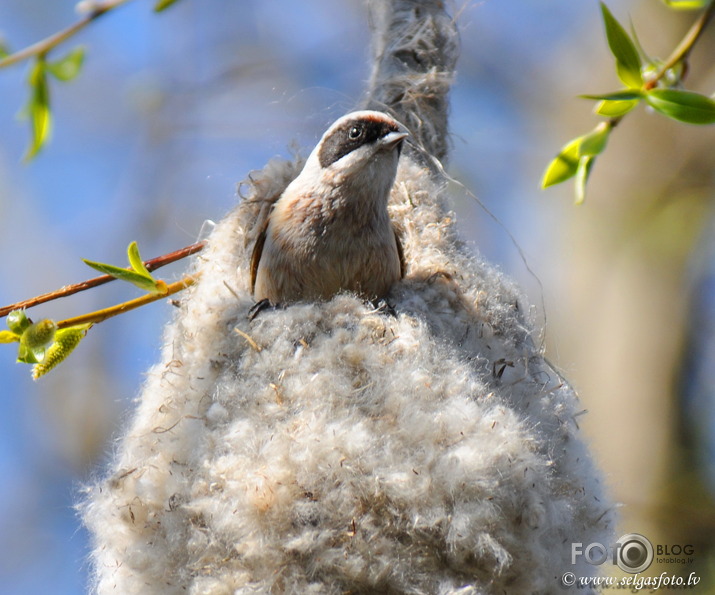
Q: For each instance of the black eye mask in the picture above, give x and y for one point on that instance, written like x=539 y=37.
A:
x=351 y=135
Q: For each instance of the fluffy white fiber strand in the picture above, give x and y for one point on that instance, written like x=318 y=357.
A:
x=329 y=448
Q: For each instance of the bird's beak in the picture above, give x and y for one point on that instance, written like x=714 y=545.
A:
x=392 y=139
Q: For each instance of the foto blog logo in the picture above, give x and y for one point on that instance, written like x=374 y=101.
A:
x=632 y=553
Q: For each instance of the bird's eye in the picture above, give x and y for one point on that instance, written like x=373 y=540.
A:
x=355 y=132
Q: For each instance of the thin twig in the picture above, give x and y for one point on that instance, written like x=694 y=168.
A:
x=102 y=315
x=151 y=265
x=679 y=54
x=45 y=45
x=686 y=45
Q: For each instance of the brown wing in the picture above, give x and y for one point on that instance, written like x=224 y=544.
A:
x=400 y=253
x=257 y=252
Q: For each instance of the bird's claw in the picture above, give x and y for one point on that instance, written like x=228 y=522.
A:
x=384 y=307
x=259 y=306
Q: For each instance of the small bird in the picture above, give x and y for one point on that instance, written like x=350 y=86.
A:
x=330 y=230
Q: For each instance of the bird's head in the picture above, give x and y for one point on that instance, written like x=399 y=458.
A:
x=361 y=149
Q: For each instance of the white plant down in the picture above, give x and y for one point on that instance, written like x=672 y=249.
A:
x=331 y=448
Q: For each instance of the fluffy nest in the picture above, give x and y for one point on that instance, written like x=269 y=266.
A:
x=331 y=448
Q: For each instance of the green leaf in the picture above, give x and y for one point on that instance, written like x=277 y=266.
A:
x=38 y=108
x=163 y=5
x=595 y=141
x=616 y=96
x=130 y=276
x=4 y=49
x=614 y=105
x=67 y=68
x=615 y=109
x=584 y=170
x=684 y=106
x=9 y=337
x=639 y=47
x=138 y=274
x=136 y=262
x=564 y=165
x=686 y=4
x=628 y=62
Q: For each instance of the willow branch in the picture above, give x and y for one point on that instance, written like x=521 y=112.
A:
x=151 y=265
x=102 y=315
x=45 y=45
x=680 y=53
x=686 y=45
